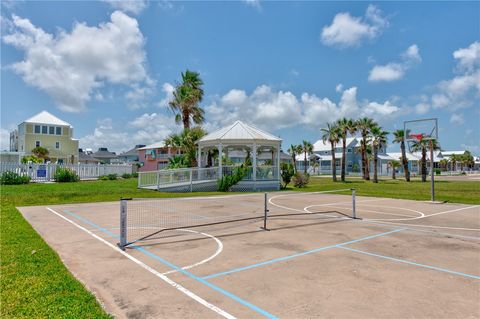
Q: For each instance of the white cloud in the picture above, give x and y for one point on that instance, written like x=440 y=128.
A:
x=422 y=108
x=457 y=119
x=273 y=110
x=254 y=3
x=464 y=88
x=389 y=72
x=168 y=90
x=348 y=31
x=133 y=7
x=339 y=88
x=394 y=71
x=4 y=139
x=70 y=66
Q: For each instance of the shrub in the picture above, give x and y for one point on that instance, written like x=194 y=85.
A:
x=109 y=177
x=438 y=171
x=301 y=180
x=12 y=178
x=103 y=178
x=135 y=175
x=31 y=158
x=126 y=176
x=227 y=181
x=286 y=172
x=65 y=175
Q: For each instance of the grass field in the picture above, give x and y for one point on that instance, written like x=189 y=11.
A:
x=35 y=283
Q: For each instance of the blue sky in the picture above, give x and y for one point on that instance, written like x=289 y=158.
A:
x=109 y=67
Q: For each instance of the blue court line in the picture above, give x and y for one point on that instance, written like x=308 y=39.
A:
x=179 y=269
x=268 y=262
x=412 y=263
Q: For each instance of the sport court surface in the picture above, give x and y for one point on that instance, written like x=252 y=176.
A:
x=404 y=259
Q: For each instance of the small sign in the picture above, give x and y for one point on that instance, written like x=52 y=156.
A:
x=41 y=171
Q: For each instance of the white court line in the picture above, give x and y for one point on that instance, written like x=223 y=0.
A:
x=429 y=226
x=172 y=283
x=451 y=211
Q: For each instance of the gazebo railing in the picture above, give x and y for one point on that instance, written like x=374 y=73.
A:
x=189 y=176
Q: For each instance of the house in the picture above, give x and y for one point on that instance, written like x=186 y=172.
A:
x=85 y=157
x=155 y=156
x=130 y=156
x=48 y=131
x=104 y=156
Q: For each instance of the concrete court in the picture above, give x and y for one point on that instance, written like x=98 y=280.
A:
x=404 y=259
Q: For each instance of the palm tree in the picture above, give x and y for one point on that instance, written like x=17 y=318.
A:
x=293 y=152
x=364 y=125
x=453 y=162
x=185 y=100
x=399 y=137
x=41 y=152
x=379 y=140
x=443 y=164
x=307 y=147
x=186 y=141
x=422 y=146
x=394 y=165
x=331 y=134
x=345 y=126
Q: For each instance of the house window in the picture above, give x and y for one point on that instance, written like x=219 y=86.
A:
x=58 y=130
x=37 y=129
x=44 y=129
x=57 y=145
x=37 y=143
x=51 y=130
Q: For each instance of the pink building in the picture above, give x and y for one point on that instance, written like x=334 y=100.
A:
x=155 y=156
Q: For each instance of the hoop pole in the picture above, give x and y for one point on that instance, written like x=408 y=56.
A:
x=432 y=178
x=354 y=210
x=265 y=213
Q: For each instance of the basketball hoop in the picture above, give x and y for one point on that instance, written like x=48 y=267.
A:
x=417 y=137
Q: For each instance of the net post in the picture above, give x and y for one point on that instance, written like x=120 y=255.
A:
x=191 y=180
x=432 y=178
x=123 y=223
x=265 y=212
x=354 y=210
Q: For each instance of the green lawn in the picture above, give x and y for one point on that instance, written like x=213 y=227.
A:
x=35 y=283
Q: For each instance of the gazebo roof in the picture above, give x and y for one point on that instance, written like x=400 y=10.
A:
x=239 y=132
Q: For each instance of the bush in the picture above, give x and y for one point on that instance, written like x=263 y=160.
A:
x=65 y=175
x=227 y=181
x=301 y=180
x=31 y=158
x=126 y=176
x=438 y=171
x=286 y=172
x=135 y=175
x=109 y=177
x=12 y=178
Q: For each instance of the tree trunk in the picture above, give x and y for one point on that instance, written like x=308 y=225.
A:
x=186 y=120
x=424 y=164
x=344 y=140
x=334 y=166
x=393 y=173
x=375 y=161
x=209 y=159
x=405 y=162
x=294 y=163
x=364 y=157
x=305 y=162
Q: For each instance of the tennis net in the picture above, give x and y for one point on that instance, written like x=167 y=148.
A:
x=147 y=219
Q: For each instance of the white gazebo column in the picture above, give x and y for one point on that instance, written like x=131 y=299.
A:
x=220 y=168
x=199 y=157
x=254 y=164
x=278 y=163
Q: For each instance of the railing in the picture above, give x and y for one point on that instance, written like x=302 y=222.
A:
x=46 y=172
x=184 y=176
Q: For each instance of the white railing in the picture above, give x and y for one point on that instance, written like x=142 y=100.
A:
x=184 y=176
x=46 y=172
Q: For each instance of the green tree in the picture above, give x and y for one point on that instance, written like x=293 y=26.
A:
x=364 y=125
x=40 y=152
x=31 y=158
x=293 y=153
x=186 y=142
x=422 y=146
x=307 y=147
x=331 y=134
x=394 y=165
x=186 y=98
x=379 y=141
x=345 y=126
x=399 y=137
x=286 y=172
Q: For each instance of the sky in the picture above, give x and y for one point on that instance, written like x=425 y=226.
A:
x=109 y=67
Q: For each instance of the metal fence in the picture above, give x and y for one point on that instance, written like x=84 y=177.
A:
x=46 y=172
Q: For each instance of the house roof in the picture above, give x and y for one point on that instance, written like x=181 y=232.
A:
x=319 y=145
x=104 y=153
x=398 y=155
x=46 y=118
x=133 y=151
x=239 y=131
x=160 y=144
x=450 y=153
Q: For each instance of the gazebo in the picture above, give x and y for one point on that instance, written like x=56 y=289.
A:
x=252 y=142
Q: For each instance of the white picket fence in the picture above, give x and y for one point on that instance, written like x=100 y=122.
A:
x=46 y=172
